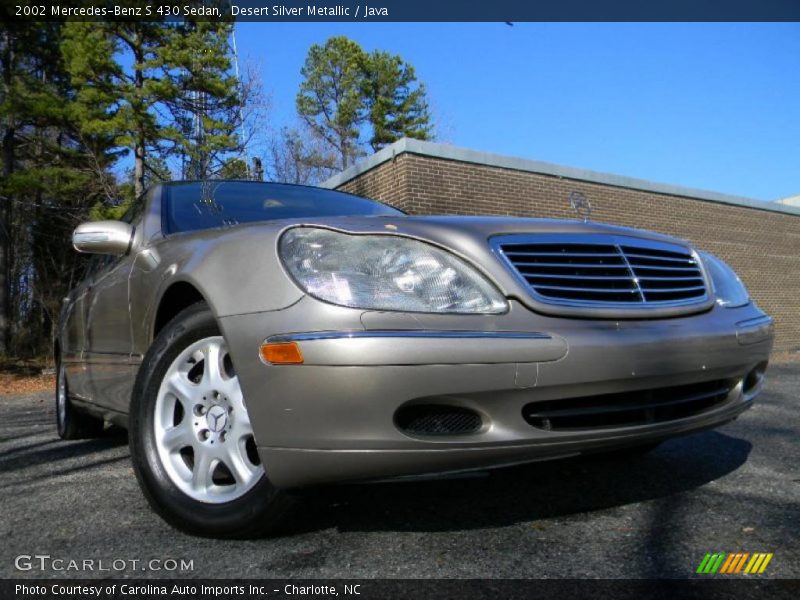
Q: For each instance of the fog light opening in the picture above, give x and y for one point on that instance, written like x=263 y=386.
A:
x=754 y=377
x=437 y=419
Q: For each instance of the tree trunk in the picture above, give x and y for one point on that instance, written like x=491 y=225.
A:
x=138 y=168
x=6 y=206
x=5 y=245
x=139 y=146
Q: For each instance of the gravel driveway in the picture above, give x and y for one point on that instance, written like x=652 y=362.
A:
x=733 y=489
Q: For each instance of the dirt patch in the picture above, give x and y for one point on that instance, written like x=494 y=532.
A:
x=11 y=384
x=25 y=377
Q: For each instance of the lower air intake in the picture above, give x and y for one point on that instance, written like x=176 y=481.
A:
x=624 y=409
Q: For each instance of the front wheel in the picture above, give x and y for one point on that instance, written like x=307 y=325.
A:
x=191 y=440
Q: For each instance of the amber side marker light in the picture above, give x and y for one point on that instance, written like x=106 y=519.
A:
x=281 y=353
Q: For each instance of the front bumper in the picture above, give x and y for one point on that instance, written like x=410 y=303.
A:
x=334 y=417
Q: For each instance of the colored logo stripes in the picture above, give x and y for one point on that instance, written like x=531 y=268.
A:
x=734 y=562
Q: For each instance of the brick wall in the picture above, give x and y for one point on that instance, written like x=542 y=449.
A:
x=763 y=246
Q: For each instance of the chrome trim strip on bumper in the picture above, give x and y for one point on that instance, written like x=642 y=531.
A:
x=412 y=333
x=424 y=347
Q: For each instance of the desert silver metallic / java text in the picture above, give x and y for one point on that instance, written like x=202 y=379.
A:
x=202 y=430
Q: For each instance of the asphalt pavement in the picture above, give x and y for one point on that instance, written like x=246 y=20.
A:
x=735 y=489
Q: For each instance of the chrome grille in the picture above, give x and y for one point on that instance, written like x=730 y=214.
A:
x=600 y=270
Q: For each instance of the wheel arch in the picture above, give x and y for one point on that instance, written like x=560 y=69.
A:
x=178 y=296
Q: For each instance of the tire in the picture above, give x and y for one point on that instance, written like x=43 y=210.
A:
x=71 y=423
x=191 y=450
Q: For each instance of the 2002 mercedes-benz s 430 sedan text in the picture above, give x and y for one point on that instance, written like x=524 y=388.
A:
x=258 y=337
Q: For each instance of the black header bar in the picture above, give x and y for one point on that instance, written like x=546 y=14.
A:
x=405 y=10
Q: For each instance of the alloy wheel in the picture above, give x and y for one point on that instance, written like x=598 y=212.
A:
x=202 y=430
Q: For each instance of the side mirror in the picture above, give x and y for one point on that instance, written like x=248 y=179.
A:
x=103 y=237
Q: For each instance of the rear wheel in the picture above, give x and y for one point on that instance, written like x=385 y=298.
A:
x=191 y=439
x=71 y=423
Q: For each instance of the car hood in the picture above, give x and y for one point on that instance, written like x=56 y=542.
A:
x=447 y=229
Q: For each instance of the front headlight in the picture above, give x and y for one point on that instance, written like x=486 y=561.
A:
x=385 y=272
x=729 y=289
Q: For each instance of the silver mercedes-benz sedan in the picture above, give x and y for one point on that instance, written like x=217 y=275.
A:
x=256 y=338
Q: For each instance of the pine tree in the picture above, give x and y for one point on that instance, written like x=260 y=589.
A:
x=74 y=98
x=331 y=99
x=208 y=110
x=177 y=98
x=121 y=102
x=53 y=172
x=396 y=103
x=346 y=92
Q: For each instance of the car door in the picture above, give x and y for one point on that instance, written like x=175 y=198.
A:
x=73 y=338
x=108 y=341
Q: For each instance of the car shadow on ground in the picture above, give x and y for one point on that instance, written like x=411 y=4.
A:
x=52 y=451
x=527 y=493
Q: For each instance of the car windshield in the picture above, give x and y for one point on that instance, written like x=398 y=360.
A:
x=209 y=204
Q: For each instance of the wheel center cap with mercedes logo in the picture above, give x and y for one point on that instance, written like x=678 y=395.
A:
x=216 y=418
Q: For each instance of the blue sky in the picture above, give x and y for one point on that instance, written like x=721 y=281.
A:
x=712 y=106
